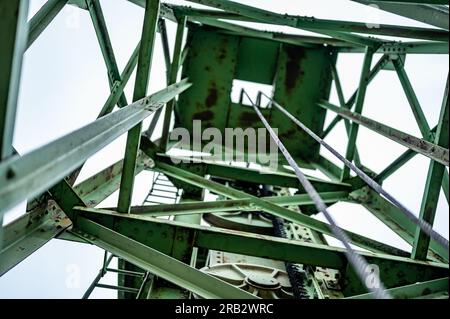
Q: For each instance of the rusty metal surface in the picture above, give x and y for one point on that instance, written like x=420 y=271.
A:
x=301 y=78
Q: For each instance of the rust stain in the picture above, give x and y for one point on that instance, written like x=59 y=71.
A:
x=213 y=96
x=248 y=119
x=293 y=66
x=198 y=106
x=290 y=133
x=223 y=50
x=222 y=54
x=204 y=116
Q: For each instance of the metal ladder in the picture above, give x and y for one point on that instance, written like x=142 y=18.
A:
x=105 y=269
x=162 y=191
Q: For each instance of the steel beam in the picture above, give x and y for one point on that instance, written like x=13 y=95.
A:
x=281 y=179
x=418 y=114
x=331 y=170
x=159 y=264
x=306 y=41
x=119 y=86
x=321 y=24
x=271 y=208
x=113 y=99
x=100 y=186
x=173 y=76
x=360 y=98
x=163 y=234
x=166 y=50
x=440 y=2
x=412 y=47
x=412 y=99
x=403 y=159
x=167 y=59
x=393 y=218
x=229 y=205
x=98 y=20
x=377 y=68
x=433 y=184
x=415 y=291
x=30 y=232
x=14 y=31
x=24 y=177
x=342 y=103
x=395 y=165
x=140 y=90
x=165 y=45
x=433 y=151
x=436 y=15
x=165 y=11
x=43 y=18
x=265 y=16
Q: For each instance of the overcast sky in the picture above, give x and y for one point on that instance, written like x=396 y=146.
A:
x=64 y=85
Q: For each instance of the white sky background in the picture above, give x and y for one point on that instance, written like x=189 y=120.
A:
x=64 y=85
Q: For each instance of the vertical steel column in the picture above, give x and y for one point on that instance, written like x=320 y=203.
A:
x=173 y=79
x=432 y=186
x=351 y=147
x=13 y=35
x=142 y=78
x=14 y=32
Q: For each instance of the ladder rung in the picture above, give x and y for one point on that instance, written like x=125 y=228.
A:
x=156 y=203
x=151 y=202
x=165 y=190
x=165 y=185
x=162 y=196
x=126 y=272
x=119 y=288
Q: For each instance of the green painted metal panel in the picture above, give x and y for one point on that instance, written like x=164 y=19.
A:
x=257 y=60
x=304 y=76
x=214 y=60
x=210 y=64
